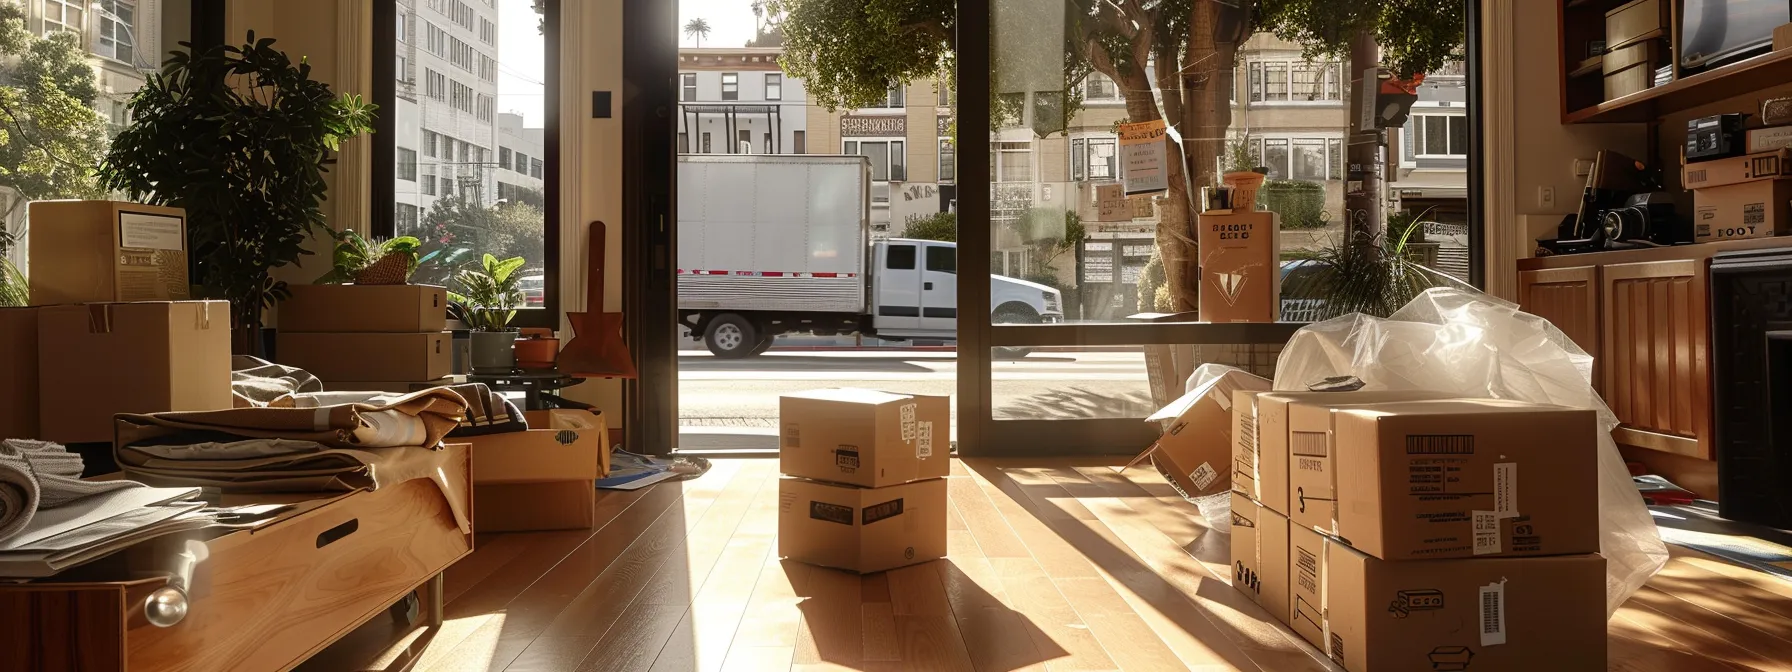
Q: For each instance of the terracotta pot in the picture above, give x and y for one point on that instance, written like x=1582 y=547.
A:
x=537 y=353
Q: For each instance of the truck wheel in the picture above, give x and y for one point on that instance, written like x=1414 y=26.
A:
x=765 y=344
x=1014 y=313
x=731 y=336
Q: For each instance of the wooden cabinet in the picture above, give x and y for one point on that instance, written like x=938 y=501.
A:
x=1643 y=316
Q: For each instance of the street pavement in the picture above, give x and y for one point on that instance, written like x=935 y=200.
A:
x=734 y=403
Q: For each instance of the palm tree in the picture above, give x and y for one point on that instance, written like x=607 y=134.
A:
x=697 y=29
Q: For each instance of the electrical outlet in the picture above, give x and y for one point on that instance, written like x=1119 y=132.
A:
x=1582 y=167
x=1546 y=197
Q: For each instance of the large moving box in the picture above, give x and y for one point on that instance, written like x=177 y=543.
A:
x=101 y=359
x=1757 y=209
x=543 y=478
x=1260 y=447
x=863 y=530
x=1196 y=448
x=1447 y=478
x=865 y=437
x=341 y=358
x=102 y=251
x=1539 y=613
x=1241 y=270
x=1260 y=555
x=18 y=373
x=365 y=308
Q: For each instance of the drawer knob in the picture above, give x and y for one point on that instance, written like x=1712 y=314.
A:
x=336 y=533
x=167 y=606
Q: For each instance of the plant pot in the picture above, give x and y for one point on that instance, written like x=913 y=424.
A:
x=494 y=352
x=537 y=353
x=1244 y=189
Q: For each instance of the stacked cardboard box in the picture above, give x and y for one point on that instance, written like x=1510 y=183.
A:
x=1741 y=197
x=1195 y=452
x=1393 y=530
x=109 y=329
x=864 y=485
x=543 y=478
x=381 y=337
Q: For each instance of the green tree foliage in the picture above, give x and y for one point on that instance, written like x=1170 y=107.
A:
x=938 y=226
x=50 y=135
x=698 y=30
x=505 y=230
x=1300 y=203
x=1416 y=36
x=240 y=137
x=849 y=53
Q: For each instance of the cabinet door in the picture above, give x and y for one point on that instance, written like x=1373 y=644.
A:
x=1655 y=347
x=1569 y=299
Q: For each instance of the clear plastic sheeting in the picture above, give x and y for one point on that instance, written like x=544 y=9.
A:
x=1474 y=345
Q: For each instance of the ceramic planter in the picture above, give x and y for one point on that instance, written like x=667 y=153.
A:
x=537 y=353
x=494 y=352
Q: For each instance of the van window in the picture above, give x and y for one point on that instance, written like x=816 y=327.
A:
x=900 y=258
x=943 y=259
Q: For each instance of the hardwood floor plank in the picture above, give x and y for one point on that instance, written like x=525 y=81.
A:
x=1058 y=630
x=1055 y=557
x=758 y=659
x=1129 y=640
x=928 y=643
x=773 y=618
x=1762 y=646
x=553 y=654
x=915 y=590
x=1757 y=609
x=704 y=635
x=635 y=641
x=832 y=629
x=981 y=518
x=996 y=636
x=1692 y=636
x=881 y=642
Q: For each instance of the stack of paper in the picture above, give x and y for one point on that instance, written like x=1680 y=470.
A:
x=97 y=525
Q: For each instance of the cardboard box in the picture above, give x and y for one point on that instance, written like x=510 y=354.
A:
x=1196 y=448
x=1736 y=169
x=18 y=373
x=543 y=478
x=1260 y=453
x=862 y=530
x=1642 y=19
x=104 y=251
x=101 y=359
x=1769 y=138
x=1448 y=479
x=1749 y=210
x=1306 y=584
x=865 y=437
x=1642 y=53
x=1260 y=555
x=342 y=358
x=1544 y=613
x=1241 y=272
x=1630 y=80
x=409 y=309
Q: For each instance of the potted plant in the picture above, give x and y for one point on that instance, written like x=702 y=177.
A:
x=239 y=137
x=487 y=302
x=1374 y=275
x=369 y=262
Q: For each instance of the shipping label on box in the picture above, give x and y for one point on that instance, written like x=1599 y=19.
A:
x=1543 y=613
x=1769 y=139
x=1748 y=210
x=864 y=437
x=1465 y=478
x=1306 y=577
x=1196 y=447
x=1241 y=273
x=106 y=251
x=861 y=529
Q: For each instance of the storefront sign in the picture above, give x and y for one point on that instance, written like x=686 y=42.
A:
x=1143 y=157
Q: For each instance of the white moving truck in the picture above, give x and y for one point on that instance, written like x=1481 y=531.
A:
x=773 y=244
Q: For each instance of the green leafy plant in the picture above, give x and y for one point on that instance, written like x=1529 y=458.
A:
x=1241 y=156
x=1300 y=203
x=489 y=294
x=941 y=226
x=355 y=253
x=1374 y=276
x=240 y=137
x=14 y=290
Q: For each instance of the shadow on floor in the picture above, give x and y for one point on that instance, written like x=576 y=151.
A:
x=1076 y=403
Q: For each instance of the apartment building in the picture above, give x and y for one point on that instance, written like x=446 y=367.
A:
x=907 y=137
x=446 y=126
x=124 y=41
x=738 y=101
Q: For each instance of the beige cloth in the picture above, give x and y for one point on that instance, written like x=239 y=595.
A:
x=359 y=425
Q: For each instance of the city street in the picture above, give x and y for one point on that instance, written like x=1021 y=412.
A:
x=734 y=403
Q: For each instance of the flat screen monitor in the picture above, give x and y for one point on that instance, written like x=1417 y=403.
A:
x=1715 y=32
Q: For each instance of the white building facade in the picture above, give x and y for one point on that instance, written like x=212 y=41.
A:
x=446 y=124
x=520 y=163
x=738 y=101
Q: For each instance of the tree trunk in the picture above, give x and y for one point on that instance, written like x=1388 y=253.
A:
x=1198 y=95
x=1363 y=197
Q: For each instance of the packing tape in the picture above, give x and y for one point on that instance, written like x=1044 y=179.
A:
x=205 y=315
x=1325 y=598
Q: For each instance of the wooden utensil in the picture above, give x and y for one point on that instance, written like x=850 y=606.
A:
x=597 y=349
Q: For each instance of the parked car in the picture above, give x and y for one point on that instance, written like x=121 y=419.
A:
x=534 y=290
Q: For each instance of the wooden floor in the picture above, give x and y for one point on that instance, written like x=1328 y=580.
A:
x=1053 y=566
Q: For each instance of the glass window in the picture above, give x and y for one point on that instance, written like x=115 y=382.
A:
x=799 y=142
x=942 y=259
x=1256 y=82
x=407 y=164
x=1079 y=151
x=688 y=86
x=879 y=153
x=406 y=215
x=1309 y=159
x=948 y=161
x=1275 y=81
x=900 y=258
x=768 y=144
x=1334 y=81
x=535 y=168
x=63 y=15
x=1308 y=81
x=117 y=39
x=1335 y=148
x=706 y=148
x=1103 y=159
x=774 y=87
x=1275 y=156
x=1441 y=135
x=887 y=158
x=730 y=86
x=504 y=157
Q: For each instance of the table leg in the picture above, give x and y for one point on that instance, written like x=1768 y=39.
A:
x=435 y=600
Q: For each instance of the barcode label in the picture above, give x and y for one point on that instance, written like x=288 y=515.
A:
x=1307 y=444
x=1440 y=444
x=1493 y=614
x=1247 y=438
x=1203 y=476
x=1505 y=489
x=924 y=439
x=793 y=436
x=1487 y=532
x=1695 y=176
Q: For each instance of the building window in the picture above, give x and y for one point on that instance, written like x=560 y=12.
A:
x=684 y=143
x=888 y=159
x=1103 y=158
x=1335 y=148
x=535 y=167
x=774 y=86
x=447 y=187
x=428 y=184
x=436 y=39
x=768 y=144
x=1440 y=136
x=1302 y=81
x=743 y=142
x=488 y=31
x=1275 y=81
x=407 y=164
x=730 y=86
x=799 y=142
x=404 y=21
x=460 y=96
x=892 y=100
x=488 y=68
x=945 y=93
x=948 y=161
x=402 y=70
x=435 y=84
x=406 y=216
x=63 y=15
x=429 y=143
x=504 y=157
x=1308 y=161
x=706 y=147
x=522 y=163
x=1275 y=155
x=1099 y=87
x=486 y=107
x=1013 y=161
x=689 y=86
x=117 y=38
x=1079 y=152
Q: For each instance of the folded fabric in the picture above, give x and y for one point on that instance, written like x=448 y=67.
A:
x=41 y=475
x=487 y=412
x=415 y=419
x=257 y=382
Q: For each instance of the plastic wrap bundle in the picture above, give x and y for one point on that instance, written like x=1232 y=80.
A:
x=1477 y=346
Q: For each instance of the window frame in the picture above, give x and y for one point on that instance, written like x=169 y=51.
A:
x=730 y=86
x=774 y=87
x=895 y=157
x=687 y=83
x=1328 y=82
x=105 y=20
x=1420 y=145
x=948 y=168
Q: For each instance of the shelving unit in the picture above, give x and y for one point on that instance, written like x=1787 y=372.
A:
x=1712 y=85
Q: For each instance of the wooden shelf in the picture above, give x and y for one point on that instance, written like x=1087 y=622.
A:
x=1591 y=66
x=1729 y=81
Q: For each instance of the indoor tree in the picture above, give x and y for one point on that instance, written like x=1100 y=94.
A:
x=239 y=137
